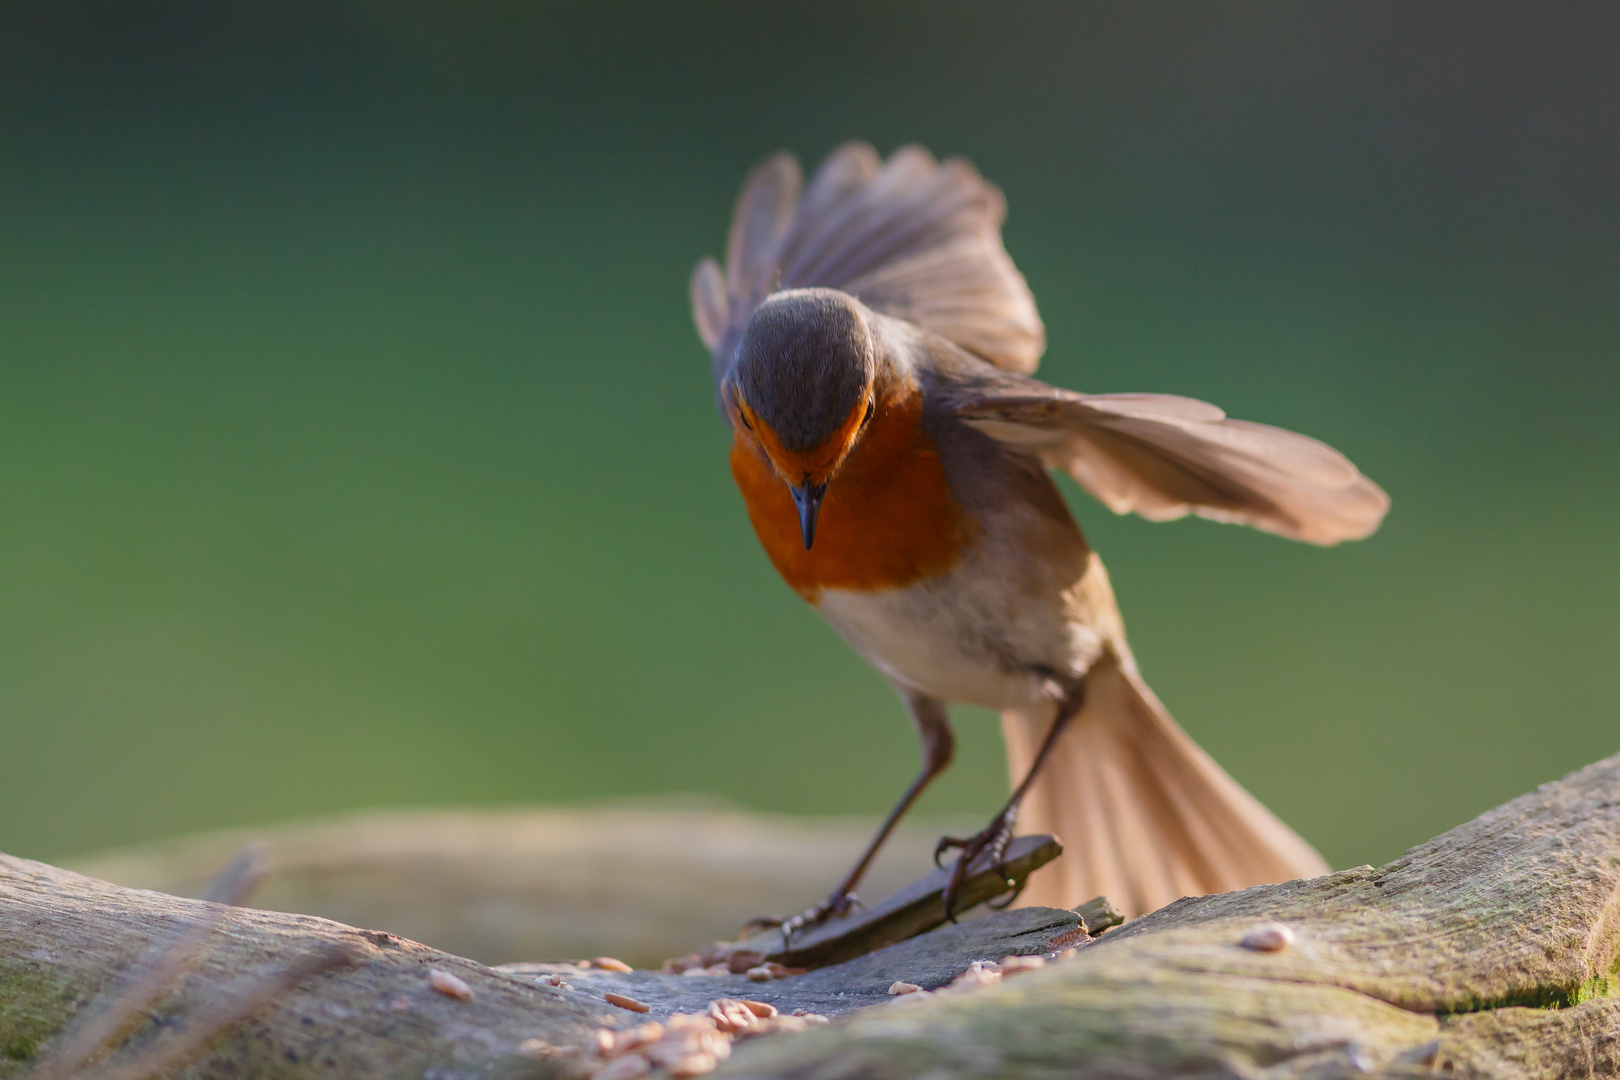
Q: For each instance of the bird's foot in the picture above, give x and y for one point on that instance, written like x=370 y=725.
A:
x=992 y=840
x=835 y=906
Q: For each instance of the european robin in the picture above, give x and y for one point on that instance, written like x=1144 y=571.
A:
x=872 y=346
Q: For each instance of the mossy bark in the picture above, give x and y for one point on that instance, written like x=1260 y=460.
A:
x=640 y=880
x=1498 y=939
x=1489 y=951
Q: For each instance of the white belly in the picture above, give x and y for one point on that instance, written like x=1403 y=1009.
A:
x=963 y=638
x=1016 y=623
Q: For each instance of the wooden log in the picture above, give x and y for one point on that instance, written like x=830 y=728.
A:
x=66 y=941
x=1500 y=939
x=1493 y=950
x=930 y=962
x=640 y=881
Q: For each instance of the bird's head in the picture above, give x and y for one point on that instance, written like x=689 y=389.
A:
x=802 y=388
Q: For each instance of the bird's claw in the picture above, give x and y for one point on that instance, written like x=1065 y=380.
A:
x=994 y=839
x=1002 y=903
x=835 y=906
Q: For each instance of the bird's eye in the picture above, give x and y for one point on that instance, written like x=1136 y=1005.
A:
x=868 y=417
x=744 y=418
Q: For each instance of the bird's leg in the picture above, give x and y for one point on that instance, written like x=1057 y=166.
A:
x=938 y=746
x=998 y=833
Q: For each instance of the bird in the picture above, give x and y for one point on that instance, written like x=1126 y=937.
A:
x=873 y=352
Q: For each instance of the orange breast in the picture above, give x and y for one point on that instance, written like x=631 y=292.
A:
x=887 y=520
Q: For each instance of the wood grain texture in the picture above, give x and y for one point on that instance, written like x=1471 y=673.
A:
x=1497 y=938
x=640 y=881
x=1490 y=951
x=65 y=940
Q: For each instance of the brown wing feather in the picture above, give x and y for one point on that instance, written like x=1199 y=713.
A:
x=910 y=237
x=1165 y=457
x=764 y=210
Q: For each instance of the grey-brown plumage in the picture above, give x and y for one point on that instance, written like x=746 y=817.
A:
x=892 y=275
x=910 y=237
x=804 y=361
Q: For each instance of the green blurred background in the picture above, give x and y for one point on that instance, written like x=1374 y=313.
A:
x=356 y=448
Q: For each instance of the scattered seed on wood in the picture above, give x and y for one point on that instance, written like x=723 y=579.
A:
x=602 y=1040
x=634 y=1038
x=607 y=963
x=554 y=980
x=740 y=961
x=626 y=1002
x=769 y=970
x=779 y=1024
x=810 y=1017
x=762 y=1009
x=1068 y=939
x=1067 y=954
x=912 y=999
x=1017 y=965
x=679 y=965
x=729 y=956
x=897 y=988
x=448 y=985
x=678 y=1045
x=1268 y=937
x=629 y=1067
x=731 y=1016
x=713 y=1043
x=540 y=1050
x=979 y=973
x=690 y=1022
x=689 y=1065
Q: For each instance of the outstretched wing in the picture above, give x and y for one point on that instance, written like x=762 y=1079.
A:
x=910 y=237
x=1164 y=457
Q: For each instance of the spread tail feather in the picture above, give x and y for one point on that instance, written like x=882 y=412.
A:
x=1145 y=816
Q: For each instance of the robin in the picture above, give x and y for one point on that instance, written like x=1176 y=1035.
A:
x=873 y=347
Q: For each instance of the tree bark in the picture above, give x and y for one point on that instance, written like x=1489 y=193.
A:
x=1492 y=950
x=1498 y=939
x=640 y=881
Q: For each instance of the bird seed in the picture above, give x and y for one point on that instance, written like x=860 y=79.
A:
x=1268 y=937
x=448 y=985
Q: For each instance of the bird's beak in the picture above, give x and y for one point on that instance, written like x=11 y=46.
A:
x=807 y=497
